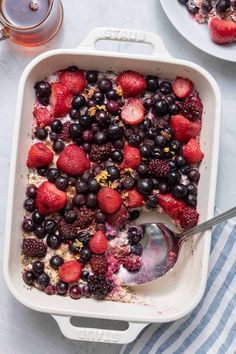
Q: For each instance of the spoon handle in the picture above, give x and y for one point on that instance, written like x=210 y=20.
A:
x=208 y=224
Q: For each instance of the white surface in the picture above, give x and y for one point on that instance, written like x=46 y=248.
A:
x=196 y=34
x=35 y=332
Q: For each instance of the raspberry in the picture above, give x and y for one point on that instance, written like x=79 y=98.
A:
x=100 y=153
x=192 y=108
x=85 y=217
x=34 y=248
x=132 y=262
x=65 y=132
x=66 y=231
x=98 y=264
x=99 y=286
x=188 y=218
x=159 y=167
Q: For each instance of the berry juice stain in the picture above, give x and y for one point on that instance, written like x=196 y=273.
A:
x=25 y=13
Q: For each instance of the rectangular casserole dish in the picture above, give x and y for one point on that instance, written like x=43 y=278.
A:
x=178 y=292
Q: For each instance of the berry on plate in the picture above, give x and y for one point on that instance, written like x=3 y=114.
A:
x=73 y=161
x=132 y=157
x=70 y=271
x=182 y=87
x=43 y=115
x=184 y=129
x=49 y=199
x=131 y=82
x=171 y=206
x=73 y=80
x=98 y=243
x=192 y=152
x=109 y=200
x=60 y=100
x=133 y=112
x=222 y=31
x=39 y=155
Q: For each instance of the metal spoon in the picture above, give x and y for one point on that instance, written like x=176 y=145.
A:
x=161 y=247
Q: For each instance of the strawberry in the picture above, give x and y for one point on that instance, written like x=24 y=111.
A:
x=182 y=87
x=133 y=112
x=183 y=128
x=188 y=218
x=131 y=82
x=98 y=243
x=70 y=271
x=132 y=157
x=73 y=161
x=192 y=152
x=60 y=99
x=222 y=31
x=42 y=115
x=39 y=155
x=119 y=217
x=49 y=199
x=171 y=206
x=135 y=199
x=74 y=81
x=192 y=108
x=109 y=200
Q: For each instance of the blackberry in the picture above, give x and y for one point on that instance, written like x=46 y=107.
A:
x=85 y=217
x=151 y=201
x=33 y=248
x=65 y=132
x=192 y=108
x=160 y=168
x=66 y=231
x=100 y=153
x=99 y=286
x=98 y=264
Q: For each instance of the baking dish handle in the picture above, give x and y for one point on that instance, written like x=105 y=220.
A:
x=96 y=334
x=125 y=35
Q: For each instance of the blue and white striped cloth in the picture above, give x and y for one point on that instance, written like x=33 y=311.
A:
x=211 y=327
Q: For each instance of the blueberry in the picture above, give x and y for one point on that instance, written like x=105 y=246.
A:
x=87 y=136
x=160 y=141
x=74 y=114
x=117 y=156
x=222 y=6
x=134 y=235
x=86 y=147
x=93 y=185
x=56 y=261
x=43 y=88
x=193 y=175
x=185 y=169
x=85 y=275
x=28 y=225
x=113 y=173
x=155 y=183
x=173 y=109
x=100 y=217
x=148 y=102
x=180 y=161
x=179 y=191
x=145 y=151
x=62 y=288
x=52 y=174
x=70 y=216
x=142 y=169
x=147 y=123
x=44 y=100
x=29 y=277
x=172 y=165
x=38 y=267
x=206 y=7
x=104 y=85
x=50 y=225
x=42 y=171
x=183 y=2
x=43 y=280
x=79 y=200
x=58 y=146
x=75 y=292
x=85 y=120
x=144 y=186
x=62 y=183
x=56 y=126
x=152 y=83
x=134 y=140
x=91 y=103
x=75 y=247
x=163 y=188
x=85 y=254
x=161 y=107
x=192 y=188
x=175 y=145
x=111 y=94
x=192 y=8
x=157 y=152
x=115 y=132
x=112 y=106
x=118 y=144
x=81 y=186
x=73 y=68
x=40 y=231
x=29 y=204
x=53 y=136
x=98 y=97
x=128 y=182
x=166 y=87
x=170 y=99
x=100 y=138
x=173 y=177
x=102 y=118
x=37 y=217
x=152 y=133
x=92 y=76
x=31 y=191
x=41 y=133
x=191 y=200
x=91 y=200
x=84 y=236
x=78 y=101
x=151 y=201
x=134 y=214
x=53 y=241
x=136 y=249
x=86 y=176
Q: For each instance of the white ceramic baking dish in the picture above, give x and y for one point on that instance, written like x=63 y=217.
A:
x=177 y=293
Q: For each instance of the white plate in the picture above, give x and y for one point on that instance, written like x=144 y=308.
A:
x=195 y=33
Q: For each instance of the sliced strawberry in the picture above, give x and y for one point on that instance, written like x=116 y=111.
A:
x=131 y=82
x=182 y=87
x=184 y=129
x=98 y=243
x=222 y=31
x=70 y=271
x=118 y=218
x=109 y=200
x=49 y=199
x=39 y=155
x=43 y=115
x=192 y=152
x=135 y=199
x=133 y=112
x=60 y=100
x=132 y=157
x=73 y=161
x=74 y=81
x=171 y=206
